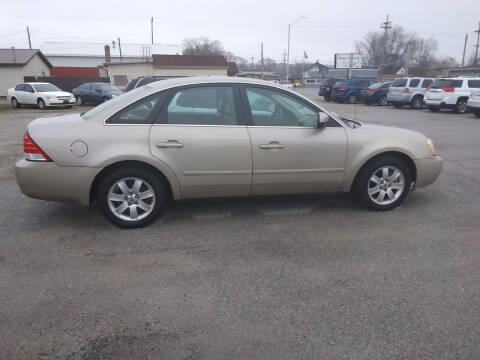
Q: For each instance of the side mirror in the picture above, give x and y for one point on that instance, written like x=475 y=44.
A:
x=322 y=120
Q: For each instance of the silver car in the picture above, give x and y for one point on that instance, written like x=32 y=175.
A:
x=408 y=91
x=216 y=137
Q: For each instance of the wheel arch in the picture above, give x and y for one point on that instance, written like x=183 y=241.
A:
x=130 y=163
x=395 y=153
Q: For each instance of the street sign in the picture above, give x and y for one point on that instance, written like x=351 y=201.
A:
x=342 y=61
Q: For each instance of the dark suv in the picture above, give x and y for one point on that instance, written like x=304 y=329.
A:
x=349 y=90
x=326 y=88
x=95 y=93
x=143 y=80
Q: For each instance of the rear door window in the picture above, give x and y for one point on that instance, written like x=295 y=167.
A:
x=20 y=87
x=399 y=83
x=414 y=83
x=474 y=84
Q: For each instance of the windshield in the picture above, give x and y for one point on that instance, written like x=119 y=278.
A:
x=113 y=102
x=110 y=87
x=45 y=87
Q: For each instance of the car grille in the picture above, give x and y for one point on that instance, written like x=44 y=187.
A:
x=63 y=97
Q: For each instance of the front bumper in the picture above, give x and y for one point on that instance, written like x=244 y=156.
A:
x=428 y=170
x=48 y=181
x=58 y=102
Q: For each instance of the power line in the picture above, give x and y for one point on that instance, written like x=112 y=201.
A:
x=13 y=33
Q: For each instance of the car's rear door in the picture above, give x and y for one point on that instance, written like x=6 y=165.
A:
x=290 y=154
x=201 y=136
x=29 y=96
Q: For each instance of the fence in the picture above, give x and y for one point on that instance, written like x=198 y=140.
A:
x=65 y=83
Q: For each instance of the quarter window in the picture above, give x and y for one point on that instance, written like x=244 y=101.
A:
x=140 y=112
x=203 y=105
x=474 y=84
x=276 y=108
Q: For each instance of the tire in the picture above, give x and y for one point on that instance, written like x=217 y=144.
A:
x=41 y=104
x=416 y=103
x=69 y=107
x=461 y=106
x=79 y=101
x=15 y=103
x=383 y=101
x=371 y=183
x=327 y=98
x=129 y=199
x=434 y=109
x=397 y=105
x=352 y=98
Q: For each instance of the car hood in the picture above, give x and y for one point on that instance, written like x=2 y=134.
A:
x=380 y=138
x=56 y=93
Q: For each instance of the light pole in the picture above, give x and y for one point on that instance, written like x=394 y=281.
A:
x=288 y=46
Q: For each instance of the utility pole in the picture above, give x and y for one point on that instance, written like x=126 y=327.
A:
x=120 y=49
x=252 y=61
x=261 y=54
x=478 y=44
x=288 y=43
x=29 y=42
x=464 y=50
x=386 y=26
x=350 y=64
x=151 y=26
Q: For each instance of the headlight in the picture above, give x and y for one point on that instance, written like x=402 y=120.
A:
x=431 y=147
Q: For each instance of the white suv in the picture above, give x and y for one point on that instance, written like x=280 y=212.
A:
x=451 y=93
x=408 y=91
x=473 y=103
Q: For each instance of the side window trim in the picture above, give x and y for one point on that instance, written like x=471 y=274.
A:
x=153 y=115
x=162 y=118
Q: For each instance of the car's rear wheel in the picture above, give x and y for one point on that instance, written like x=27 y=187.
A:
x=383 y=183
x=461 y=106
x=15 y=103
x=79 y=101
x=416 y=102
x=131 y=197
x=383 y=100
x=327 y=98
x=41 y=104
x=352 y=98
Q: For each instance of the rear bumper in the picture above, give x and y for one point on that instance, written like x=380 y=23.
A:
x=48 y=181
x=428 y=170
x=440 y=104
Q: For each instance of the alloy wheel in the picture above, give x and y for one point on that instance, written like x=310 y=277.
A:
x=79 y=101
x=383 y=101
x=462 y=106
x=386 y=185
x=131 y=199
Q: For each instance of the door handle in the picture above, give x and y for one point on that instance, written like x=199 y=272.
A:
x=272 y=145
x=169 y=144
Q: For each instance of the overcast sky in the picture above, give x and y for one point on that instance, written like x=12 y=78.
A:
x=330 y=26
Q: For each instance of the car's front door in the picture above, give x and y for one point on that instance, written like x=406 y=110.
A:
x=290 y=154
x=201 y=136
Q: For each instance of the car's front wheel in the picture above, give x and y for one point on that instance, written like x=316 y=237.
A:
x=461 y=106
x=79 y=101
x=15 y=103
x=41 y=104
x=383 y=183
x=131 y=197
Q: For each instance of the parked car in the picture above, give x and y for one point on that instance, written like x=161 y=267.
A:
x=326 y=88
x=451 y=93
x=142 y=80
x=408 y=91
x=473 y=103
x=376 y=93
x=95 y=93
x=297 y=83
x=39 y=94
x=214 y=137
x=349 y=90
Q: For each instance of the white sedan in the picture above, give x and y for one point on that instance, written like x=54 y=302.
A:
x=42 y=95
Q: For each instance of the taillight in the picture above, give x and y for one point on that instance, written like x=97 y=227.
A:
x=448 y=89
x=341 y=88
x=32 y=151
x=429 y=88
x=372 y=91
x=407 y=90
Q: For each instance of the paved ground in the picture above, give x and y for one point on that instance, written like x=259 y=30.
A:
x=315 y=277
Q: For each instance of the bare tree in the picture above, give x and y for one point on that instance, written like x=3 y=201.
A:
x=202 y=46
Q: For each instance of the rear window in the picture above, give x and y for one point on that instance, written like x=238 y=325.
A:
x=399 y=83
x=443 y=83
x=339 y=83
x=376 y=86
x=426 y=83
x=474 y=84
x=414 y=82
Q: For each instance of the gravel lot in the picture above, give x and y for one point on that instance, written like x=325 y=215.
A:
x=311 y=277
